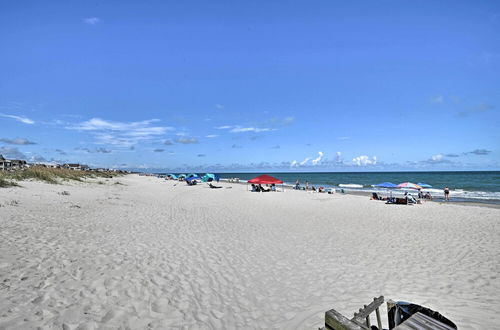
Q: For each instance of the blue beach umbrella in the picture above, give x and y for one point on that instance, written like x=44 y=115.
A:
x=208 y=177
x=386 y=185
x=173 y=176
x=192 y=175
x=424 y=185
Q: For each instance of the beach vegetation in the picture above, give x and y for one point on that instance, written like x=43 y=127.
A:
x=4 y=183
x=49 y=175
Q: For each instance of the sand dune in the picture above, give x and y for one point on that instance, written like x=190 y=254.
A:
x=154 y=254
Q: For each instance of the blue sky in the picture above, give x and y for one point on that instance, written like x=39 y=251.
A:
x=252 y=86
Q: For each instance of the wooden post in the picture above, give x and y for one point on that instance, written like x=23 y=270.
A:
x=379 y=320
x=367 y=319
x=361 y=316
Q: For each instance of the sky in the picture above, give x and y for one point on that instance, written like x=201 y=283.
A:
x=252 y=86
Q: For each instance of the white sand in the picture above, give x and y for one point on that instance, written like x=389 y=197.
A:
x=151 y=254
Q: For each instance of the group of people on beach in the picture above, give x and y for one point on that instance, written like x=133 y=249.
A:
x=421 y=194
x=427 y=195
x=411 y=199
x=307 y=187
x=260 y=188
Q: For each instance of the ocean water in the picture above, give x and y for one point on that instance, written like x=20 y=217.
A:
x=473 y=185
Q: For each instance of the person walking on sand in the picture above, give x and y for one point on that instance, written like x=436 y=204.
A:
x=446 y=193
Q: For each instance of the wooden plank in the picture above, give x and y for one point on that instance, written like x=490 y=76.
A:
x=379 y=320
x=363 y=313
x=419 y=321
x=335 y=320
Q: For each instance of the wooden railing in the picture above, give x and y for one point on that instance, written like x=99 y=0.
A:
x=361 y=320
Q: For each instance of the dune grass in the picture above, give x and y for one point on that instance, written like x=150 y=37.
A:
x=7 y=183
x=49 y=175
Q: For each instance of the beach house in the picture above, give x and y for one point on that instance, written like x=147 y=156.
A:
x=3 y=163
x=76 y=167
x=11 y=164
x=47 y=164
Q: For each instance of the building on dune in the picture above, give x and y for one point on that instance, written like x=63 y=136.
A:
x=11 y=164
x=76 y=167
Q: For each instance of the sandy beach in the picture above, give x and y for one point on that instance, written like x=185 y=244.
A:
x=143 y=253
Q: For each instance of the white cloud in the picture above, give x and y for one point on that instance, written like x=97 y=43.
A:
x=437 y=158
x=302 y=163
x=338 y=157
x=124 y=134
x=21 y=119
x=437 y=99
x=92 y=20
x=8 y=152
x=211 y=136
x=314 y=161
x=278 y=121
x=364 y=160
x=219 y=106
x=239 y=129
x=288 y=121
x=95 y=124
x=187 y=140
x=318 y=159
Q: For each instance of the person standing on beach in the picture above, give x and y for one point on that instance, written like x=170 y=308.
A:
x=307 y=185
x=446 y=193
x=297 y=185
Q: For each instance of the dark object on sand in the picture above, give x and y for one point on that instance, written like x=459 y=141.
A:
x=214 y=187
x=401 y=316
x=376 y=197
x=405 y=201
x=401 y=311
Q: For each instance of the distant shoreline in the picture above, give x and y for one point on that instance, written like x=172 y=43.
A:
x=481 y=187
x=461 y=201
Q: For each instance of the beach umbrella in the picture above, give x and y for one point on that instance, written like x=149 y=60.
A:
x=409 y=185
x=208 y=177
x=193 y=178
x=173 y=176
x=424 y=185
x=192 y=175
x=181 y=176
x=386 y=185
